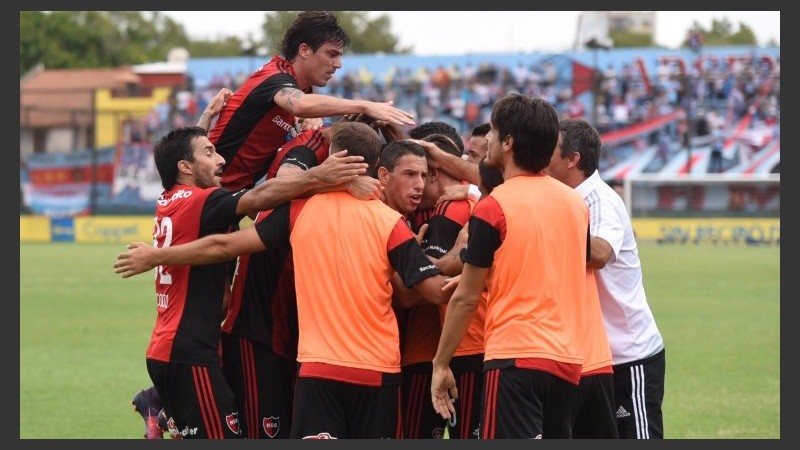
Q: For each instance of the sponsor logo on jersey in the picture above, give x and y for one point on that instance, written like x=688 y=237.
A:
x=179 y=195
x=278 y=120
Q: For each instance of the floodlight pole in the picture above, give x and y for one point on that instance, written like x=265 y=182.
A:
x=595 y=45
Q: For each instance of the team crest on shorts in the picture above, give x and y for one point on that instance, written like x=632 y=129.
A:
x=174 y=432
x=271 y=425
x=233 y=422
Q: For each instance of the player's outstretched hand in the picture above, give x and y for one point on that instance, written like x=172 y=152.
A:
x=385 y=111
x=339 y=168
x=137 y=259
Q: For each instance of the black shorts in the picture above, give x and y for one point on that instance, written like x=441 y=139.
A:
x=197 y=400
x=329 y=409
x=420 y=420
x=527 y=404
x=468 y=372
x=638 y=394
x=263 y=384
x=595 y=418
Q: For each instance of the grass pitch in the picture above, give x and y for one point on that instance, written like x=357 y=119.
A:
x=84 y=331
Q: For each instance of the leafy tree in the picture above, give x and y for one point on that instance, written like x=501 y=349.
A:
x=32 y=40
x=228 y=46
x=366 y=35
x=83 y=39
x=57 y=40
x=722 y=33
x=623 y=38
x=745 y=36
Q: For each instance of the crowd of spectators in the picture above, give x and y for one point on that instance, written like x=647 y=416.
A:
x=708 y=95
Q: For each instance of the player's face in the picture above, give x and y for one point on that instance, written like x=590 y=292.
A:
x=324 y=63
x=494 y=150
x=477 y=149
x=404 y=185
x=430 y=193
x=558 y=166
x=207 y=165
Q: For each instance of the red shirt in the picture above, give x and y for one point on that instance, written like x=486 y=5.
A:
x=252 y=127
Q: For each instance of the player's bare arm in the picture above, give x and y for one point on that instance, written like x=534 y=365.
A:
x=601 y=253
x=214 y=107
x=215 y=248
x=460 y=310
x=336 y=170
x=305 y=105
x=458 y=168
x=288 y=98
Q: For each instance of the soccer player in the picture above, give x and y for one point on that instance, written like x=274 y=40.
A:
x=348 y=383
x=444 y=223
x=527 y=246
x=182 y=357
x=403 y=172
x=260 y=331
x=256 y=119
x=636 y=344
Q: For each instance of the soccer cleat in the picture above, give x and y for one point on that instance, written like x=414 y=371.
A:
x=162 y=420
x=148 y=404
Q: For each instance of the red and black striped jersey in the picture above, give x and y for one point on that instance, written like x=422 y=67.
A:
x=306 y=150
x=263 y=304
x=189 y=298
x=251 y=127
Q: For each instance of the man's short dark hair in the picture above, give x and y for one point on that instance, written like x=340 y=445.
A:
x=358 y=138
x=581 y=137
x=174 y=147
x=444 y=143
x=433 y=127
x=395 y=150
x=532 y=123
x=481 y=130
x=314 y=28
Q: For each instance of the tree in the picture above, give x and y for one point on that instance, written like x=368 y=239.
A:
x=83 y=39
x=228 y=46
x=721 y=33
x=366 y=35
x=623 y=38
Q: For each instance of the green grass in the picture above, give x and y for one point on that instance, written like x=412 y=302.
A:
x=718 y=308
x=83 y=334
x=84 y=330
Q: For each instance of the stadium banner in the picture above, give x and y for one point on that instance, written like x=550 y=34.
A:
x=727 y=230
x=59 y=184
x=136 y=179
x=34 y=229
x=113 y=229
x=124 y=229
x=628 y=134
x=62 y=229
